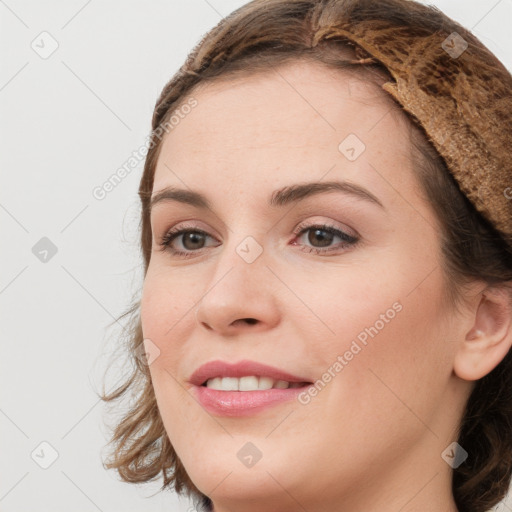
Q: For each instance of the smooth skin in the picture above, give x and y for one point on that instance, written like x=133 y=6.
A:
x=371 y=440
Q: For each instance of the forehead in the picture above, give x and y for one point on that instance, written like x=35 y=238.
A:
x=289 y=120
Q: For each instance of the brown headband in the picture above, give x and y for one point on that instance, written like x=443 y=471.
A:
x=462 y=96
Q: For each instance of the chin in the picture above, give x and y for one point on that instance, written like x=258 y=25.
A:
x=221 y=473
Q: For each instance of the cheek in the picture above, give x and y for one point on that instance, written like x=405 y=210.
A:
x=167 y=319
x=166 y=303
x=351 y=313
x=395 y=363
x=160 y=318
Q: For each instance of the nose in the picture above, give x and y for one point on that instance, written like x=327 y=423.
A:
x=240 y=296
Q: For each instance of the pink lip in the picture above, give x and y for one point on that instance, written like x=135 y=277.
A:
x=241 y=369
x=241 y=403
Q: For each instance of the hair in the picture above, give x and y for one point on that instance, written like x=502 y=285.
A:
x=264 y=34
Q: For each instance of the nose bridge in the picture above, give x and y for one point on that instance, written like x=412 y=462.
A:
x=238 y=288
x=246 y=234
x=240 y=266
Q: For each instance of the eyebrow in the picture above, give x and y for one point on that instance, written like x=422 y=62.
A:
x=279 y=198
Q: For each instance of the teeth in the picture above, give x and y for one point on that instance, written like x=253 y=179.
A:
x=229 y=383
x=215 y=383
x=249 y=383
x=265 y=383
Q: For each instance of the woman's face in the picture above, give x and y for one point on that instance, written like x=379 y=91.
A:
x=357 y=310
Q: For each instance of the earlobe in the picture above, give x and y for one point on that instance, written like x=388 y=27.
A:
x=490 y=337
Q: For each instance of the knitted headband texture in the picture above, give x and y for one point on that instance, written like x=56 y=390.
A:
x=462 y=96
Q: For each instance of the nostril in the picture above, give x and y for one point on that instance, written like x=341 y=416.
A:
x=241 y=321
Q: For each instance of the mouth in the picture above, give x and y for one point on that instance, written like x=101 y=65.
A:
x=244 y=376
x=250 y=383
x=245 y=388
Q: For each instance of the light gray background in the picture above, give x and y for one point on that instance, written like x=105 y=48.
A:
x=67 y=124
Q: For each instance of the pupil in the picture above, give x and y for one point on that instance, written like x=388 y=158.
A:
x=324 y=240
x=192 y=237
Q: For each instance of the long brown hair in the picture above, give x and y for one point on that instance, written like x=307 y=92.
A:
x=256 y=37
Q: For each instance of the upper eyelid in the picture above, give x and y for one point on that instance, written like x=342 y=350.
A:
x=184 y=225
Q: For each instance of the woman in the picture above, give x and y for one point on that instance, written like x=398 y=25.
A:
x=325 y=320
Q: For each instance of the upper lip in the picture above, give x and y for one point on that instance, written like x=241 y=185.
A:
x=243 y=368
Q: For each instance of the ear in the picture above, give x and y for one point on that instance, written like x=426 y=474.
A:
x=490 y=337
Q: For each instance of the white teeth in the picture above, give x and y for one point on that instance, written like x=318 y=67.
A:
x=249 y=383
x=265 y=383
x=229 y=383
x=215 y=383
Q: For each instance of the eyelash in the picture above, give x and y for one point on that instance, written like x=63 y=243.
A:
x=347 y=240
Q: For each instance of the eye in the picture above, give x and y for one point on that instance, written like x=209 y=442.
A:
x=192 y=239
x=322 y=235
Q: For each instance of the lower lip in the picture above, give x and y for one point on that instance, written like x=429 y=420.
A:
x=243 y=403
